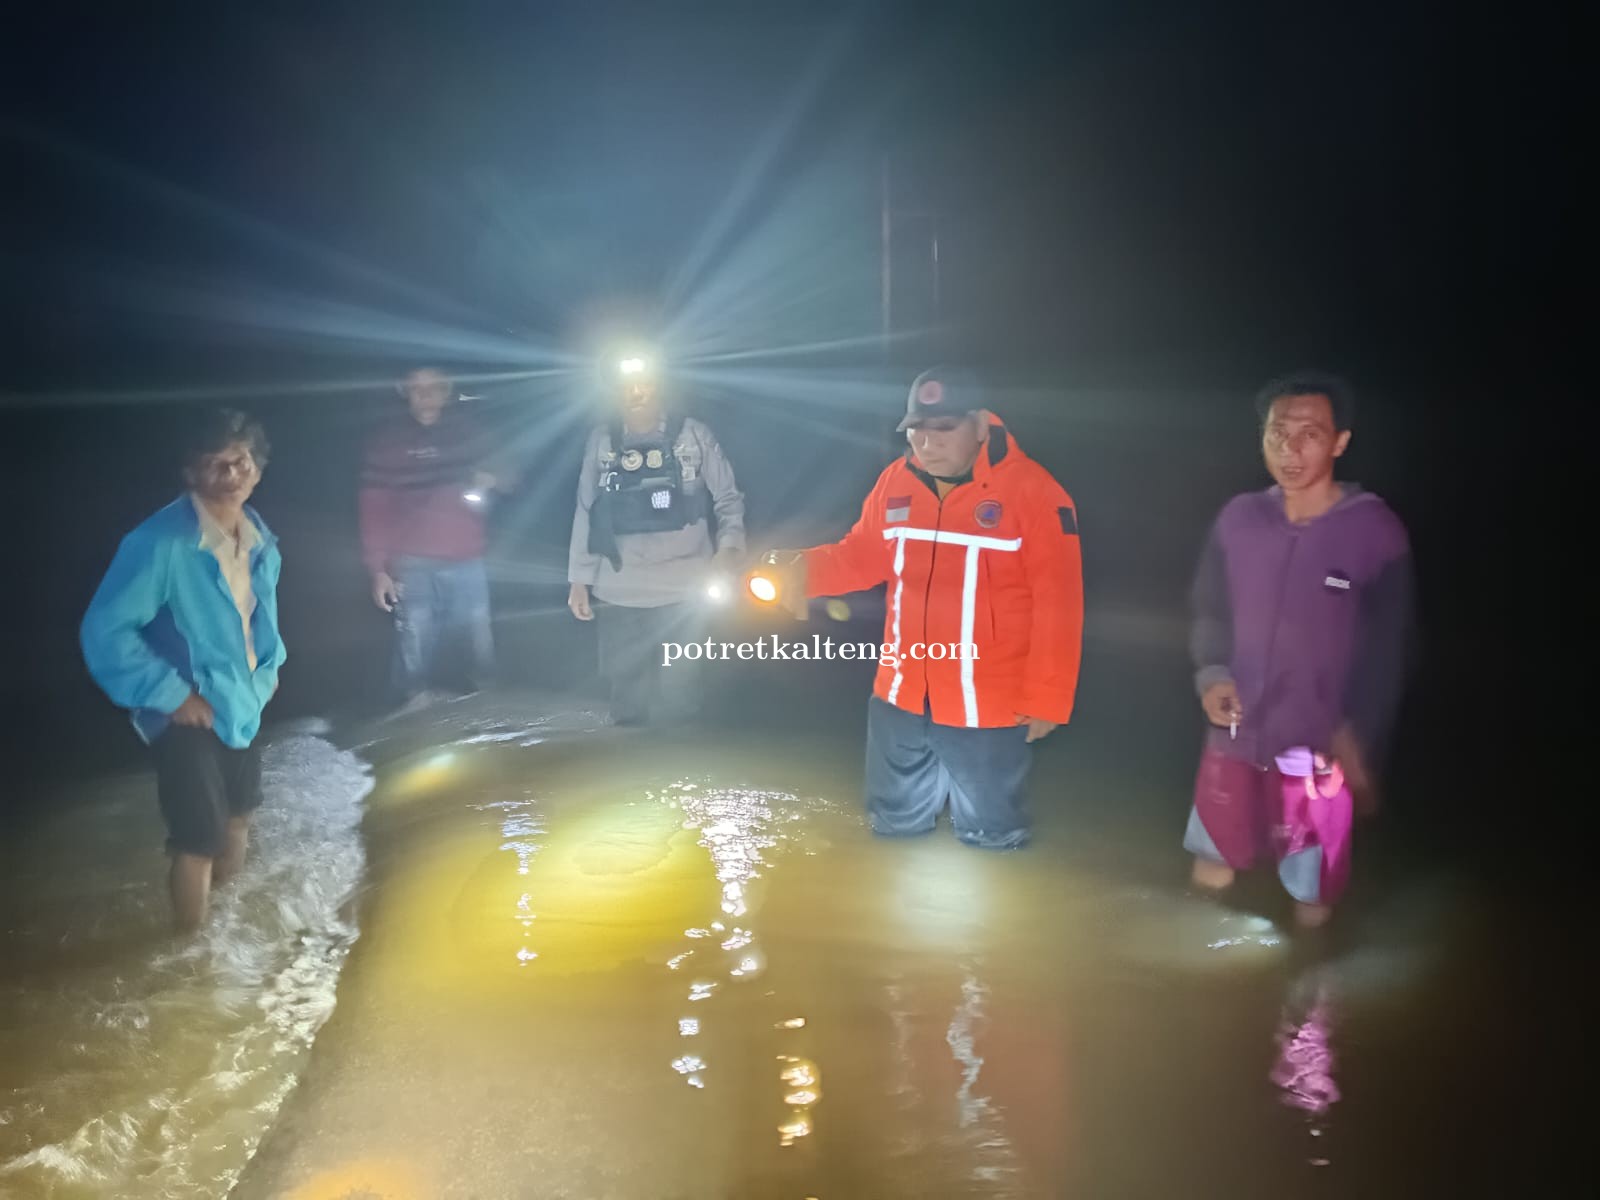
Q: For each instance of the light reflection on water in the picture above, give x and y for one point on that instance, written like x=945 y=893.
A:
x=658 y=980
x=602 y=874
x=136 y=1065
x=736 y=828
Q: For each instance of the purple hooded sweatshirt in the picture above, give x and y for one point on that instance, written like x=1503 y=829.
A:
x=1311 y=622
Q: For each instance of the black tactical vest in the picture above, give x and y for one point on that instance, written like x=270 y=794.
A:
x=641 y=490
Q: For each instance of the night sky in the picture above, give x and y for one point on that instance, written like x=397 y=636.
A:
x=293 y=199
x=1121 y=188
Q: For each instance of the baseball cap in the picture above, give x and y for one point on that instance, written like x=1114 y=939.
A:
x=941 y=392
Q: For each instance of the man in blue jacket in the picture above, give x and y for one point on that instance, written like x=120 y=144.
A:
x=183 y=632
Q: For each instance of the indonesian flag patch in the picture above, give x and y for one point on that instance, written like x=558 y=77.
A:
x=898 y=509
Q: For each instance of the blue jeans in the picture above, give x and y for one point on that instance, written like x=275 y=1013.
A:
x=913 y=766
x=440 y=598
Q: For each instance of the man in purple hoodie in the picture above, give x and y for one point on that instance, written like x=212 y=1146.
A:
x=1302 y=608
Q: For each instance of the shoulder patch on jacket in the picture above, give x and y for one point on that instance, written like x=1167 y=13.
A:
x=1069 y=521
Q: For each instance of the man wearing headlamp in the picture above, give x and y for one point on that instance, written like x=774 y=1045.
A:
x=642 y=540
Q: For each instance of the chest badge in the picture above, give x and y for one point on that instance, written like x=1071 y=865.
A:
x=988 y=513
x=653 y=460
x=632 y=460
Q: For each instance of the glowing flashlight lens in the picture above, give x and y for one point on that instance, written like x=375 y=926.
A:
x=763 y=589
x=632 y=366
x=472 y=497
x=714 y=591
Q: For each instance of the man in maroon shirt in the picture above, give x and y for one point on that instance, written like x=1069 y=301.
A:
x=423 y=531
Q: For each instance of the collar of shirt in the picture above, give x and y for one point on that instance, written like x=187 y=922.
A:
x=214 y=537
x=631 y=437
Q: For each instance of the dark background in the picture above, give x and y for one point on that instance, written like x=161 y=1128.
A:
x=1143 y=212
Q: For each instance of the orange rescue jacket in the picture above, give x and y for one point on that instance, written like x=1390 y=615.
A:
x=995 y=565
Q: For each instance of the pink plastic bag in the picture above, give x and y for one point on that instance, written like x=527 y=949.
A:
x=1314 y=826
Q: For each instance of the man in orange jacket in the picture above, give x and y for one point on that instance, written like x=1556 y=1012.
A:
x=978 y=545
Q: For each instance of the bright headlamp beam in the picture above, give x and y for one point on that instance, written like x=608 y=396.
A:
x=631 y=366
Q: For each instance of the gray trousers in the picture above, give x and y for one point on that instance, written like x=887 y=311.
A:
x=643 y=687
x=914 y=767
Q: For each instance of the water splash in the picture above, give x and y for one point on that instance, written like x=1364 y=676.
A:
x=188 y=1053
x=960 y=1037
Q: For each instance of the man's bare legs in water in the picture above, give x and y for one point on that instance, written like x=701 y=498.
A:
x=194 y=875
x=1214 y=878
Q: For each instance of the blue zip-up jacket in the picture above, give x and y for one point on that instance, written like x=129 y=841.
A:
x=163 y=624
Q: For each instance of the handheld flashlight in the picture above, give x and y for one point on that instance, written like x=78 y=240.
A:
x=774 y=582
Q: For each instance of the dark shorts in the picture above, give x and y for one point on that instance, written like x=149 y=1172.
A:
x=1240 y=819
x=201 y=783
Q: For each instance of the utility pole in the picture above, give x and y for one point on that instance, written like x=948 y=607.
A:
x=888 y=258
x=925 y=300
x=924 y=228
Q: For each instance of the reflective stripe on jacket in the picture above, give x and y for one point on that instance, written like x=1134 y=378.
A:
x=994 y=566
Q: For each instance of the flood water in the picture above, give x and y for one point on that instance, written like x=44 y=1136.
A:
x=134 y=1065
x=574 y=961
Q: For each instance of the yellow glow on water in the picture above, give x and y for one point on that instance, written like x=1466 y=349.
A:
x=802 y=1084
x=797 y=1126
x=433 y=774
x=616 y=884
x=595 y=967
x=362 y=1179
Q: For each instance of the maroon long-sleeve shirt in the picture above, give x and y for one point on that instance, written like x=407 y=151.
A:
x=413 y=491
